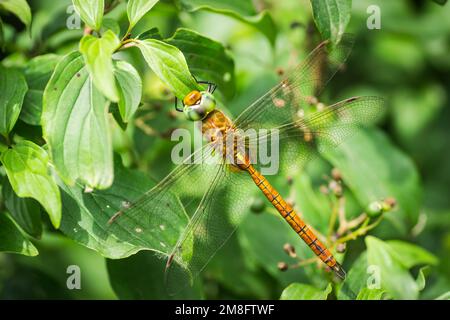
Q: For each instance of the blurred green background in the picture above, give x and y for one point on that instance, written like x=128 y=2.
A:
x=406 y=62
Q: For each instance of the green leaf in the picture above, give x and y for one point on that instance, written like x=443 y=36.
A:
x=86 y=218
x=110 y=24
x=395 y=175
x=26 y=165
x=356 y=279
x=75 y=125
x=136 y=9
x=2 y=36
x=268 y=251
x=141 y=276
x=242 y=10
x=370 y=294
x=97 y=54
x=169 y=64
x=129 y=86
x=331 y=17
x=300 y=291
x=19 y=8
x=13 y=240
x=90 y=11
x=13 y=88
x=421 y=281
x=206 y=58
x=441 y=2
x=444 y=296
x=395 y=278
x=37 y=73
x=25 y=211
x=412 y=255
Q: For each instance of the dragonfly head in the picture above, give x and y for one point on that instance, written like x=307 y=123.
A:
x=198 y=104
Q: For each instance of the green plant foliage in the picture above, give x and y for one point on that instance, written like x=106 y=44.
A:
x=12 y=238
x=394 y=274
x=87 y=216
x=20 y=8
x=241 y=10
x=300 y=291
x=368 y=185
x=136 y=10
x=90 y=11
x=129 y=86
x=332 y=17
x=97 y=54
x=27 y=168
x=25 y=211
x=88 y=131
x=37 y=73
x=207 y=59
x=169 y=65
x=13 y=87
x=70 y=96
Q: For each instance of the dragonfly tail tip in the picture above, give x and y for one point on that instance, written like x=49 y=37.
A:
x=340 y=272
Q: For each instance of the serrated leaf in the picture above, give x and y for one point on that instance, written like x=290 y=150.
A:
x=37 y=73
x=242 y=10
x=90 y=11
x=12 y=239
x=395 y=278
x=86 y=218
x=395 y=175
x=169 y=64
x=75 y=125
x=97 y=54
x=25 y=211
x=136 y=9
x=300 y=291
x=26 y=165
x=13 y=88
x=331 y=17
x=19 y=8
x=129 y=86
x=207 y=59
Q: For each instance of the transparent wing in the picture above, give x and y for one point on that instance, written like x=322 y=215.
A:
x=157 y=219
x=281 y=104
x=217 y=217
x=300 y=140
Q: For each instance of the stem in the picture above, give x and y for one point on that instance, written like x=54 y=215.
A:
x=304 y=262
x=359 y=232
x=331 y=224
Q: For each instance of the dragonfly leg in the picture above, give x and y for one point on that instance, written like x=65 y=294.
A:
x=176 y=105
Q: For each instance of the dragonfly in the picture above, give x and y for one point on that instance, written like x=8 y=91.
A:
x=227 y=173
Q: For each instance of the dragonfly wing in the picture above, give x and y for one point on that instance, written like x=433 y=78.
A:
x=300 y=140
x=156 y=220
x=216 y=218
x=296 y=92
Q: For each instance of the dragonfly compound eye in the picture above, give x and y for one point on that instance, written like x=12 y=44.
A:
x=200 y=110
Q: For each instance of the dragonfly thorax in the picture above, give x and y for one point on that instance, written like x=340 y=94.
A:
x=219 y=130
x=197 y=105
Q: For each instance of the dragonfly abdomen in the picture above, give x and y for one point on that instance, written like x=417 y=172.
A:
x=296 y=223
